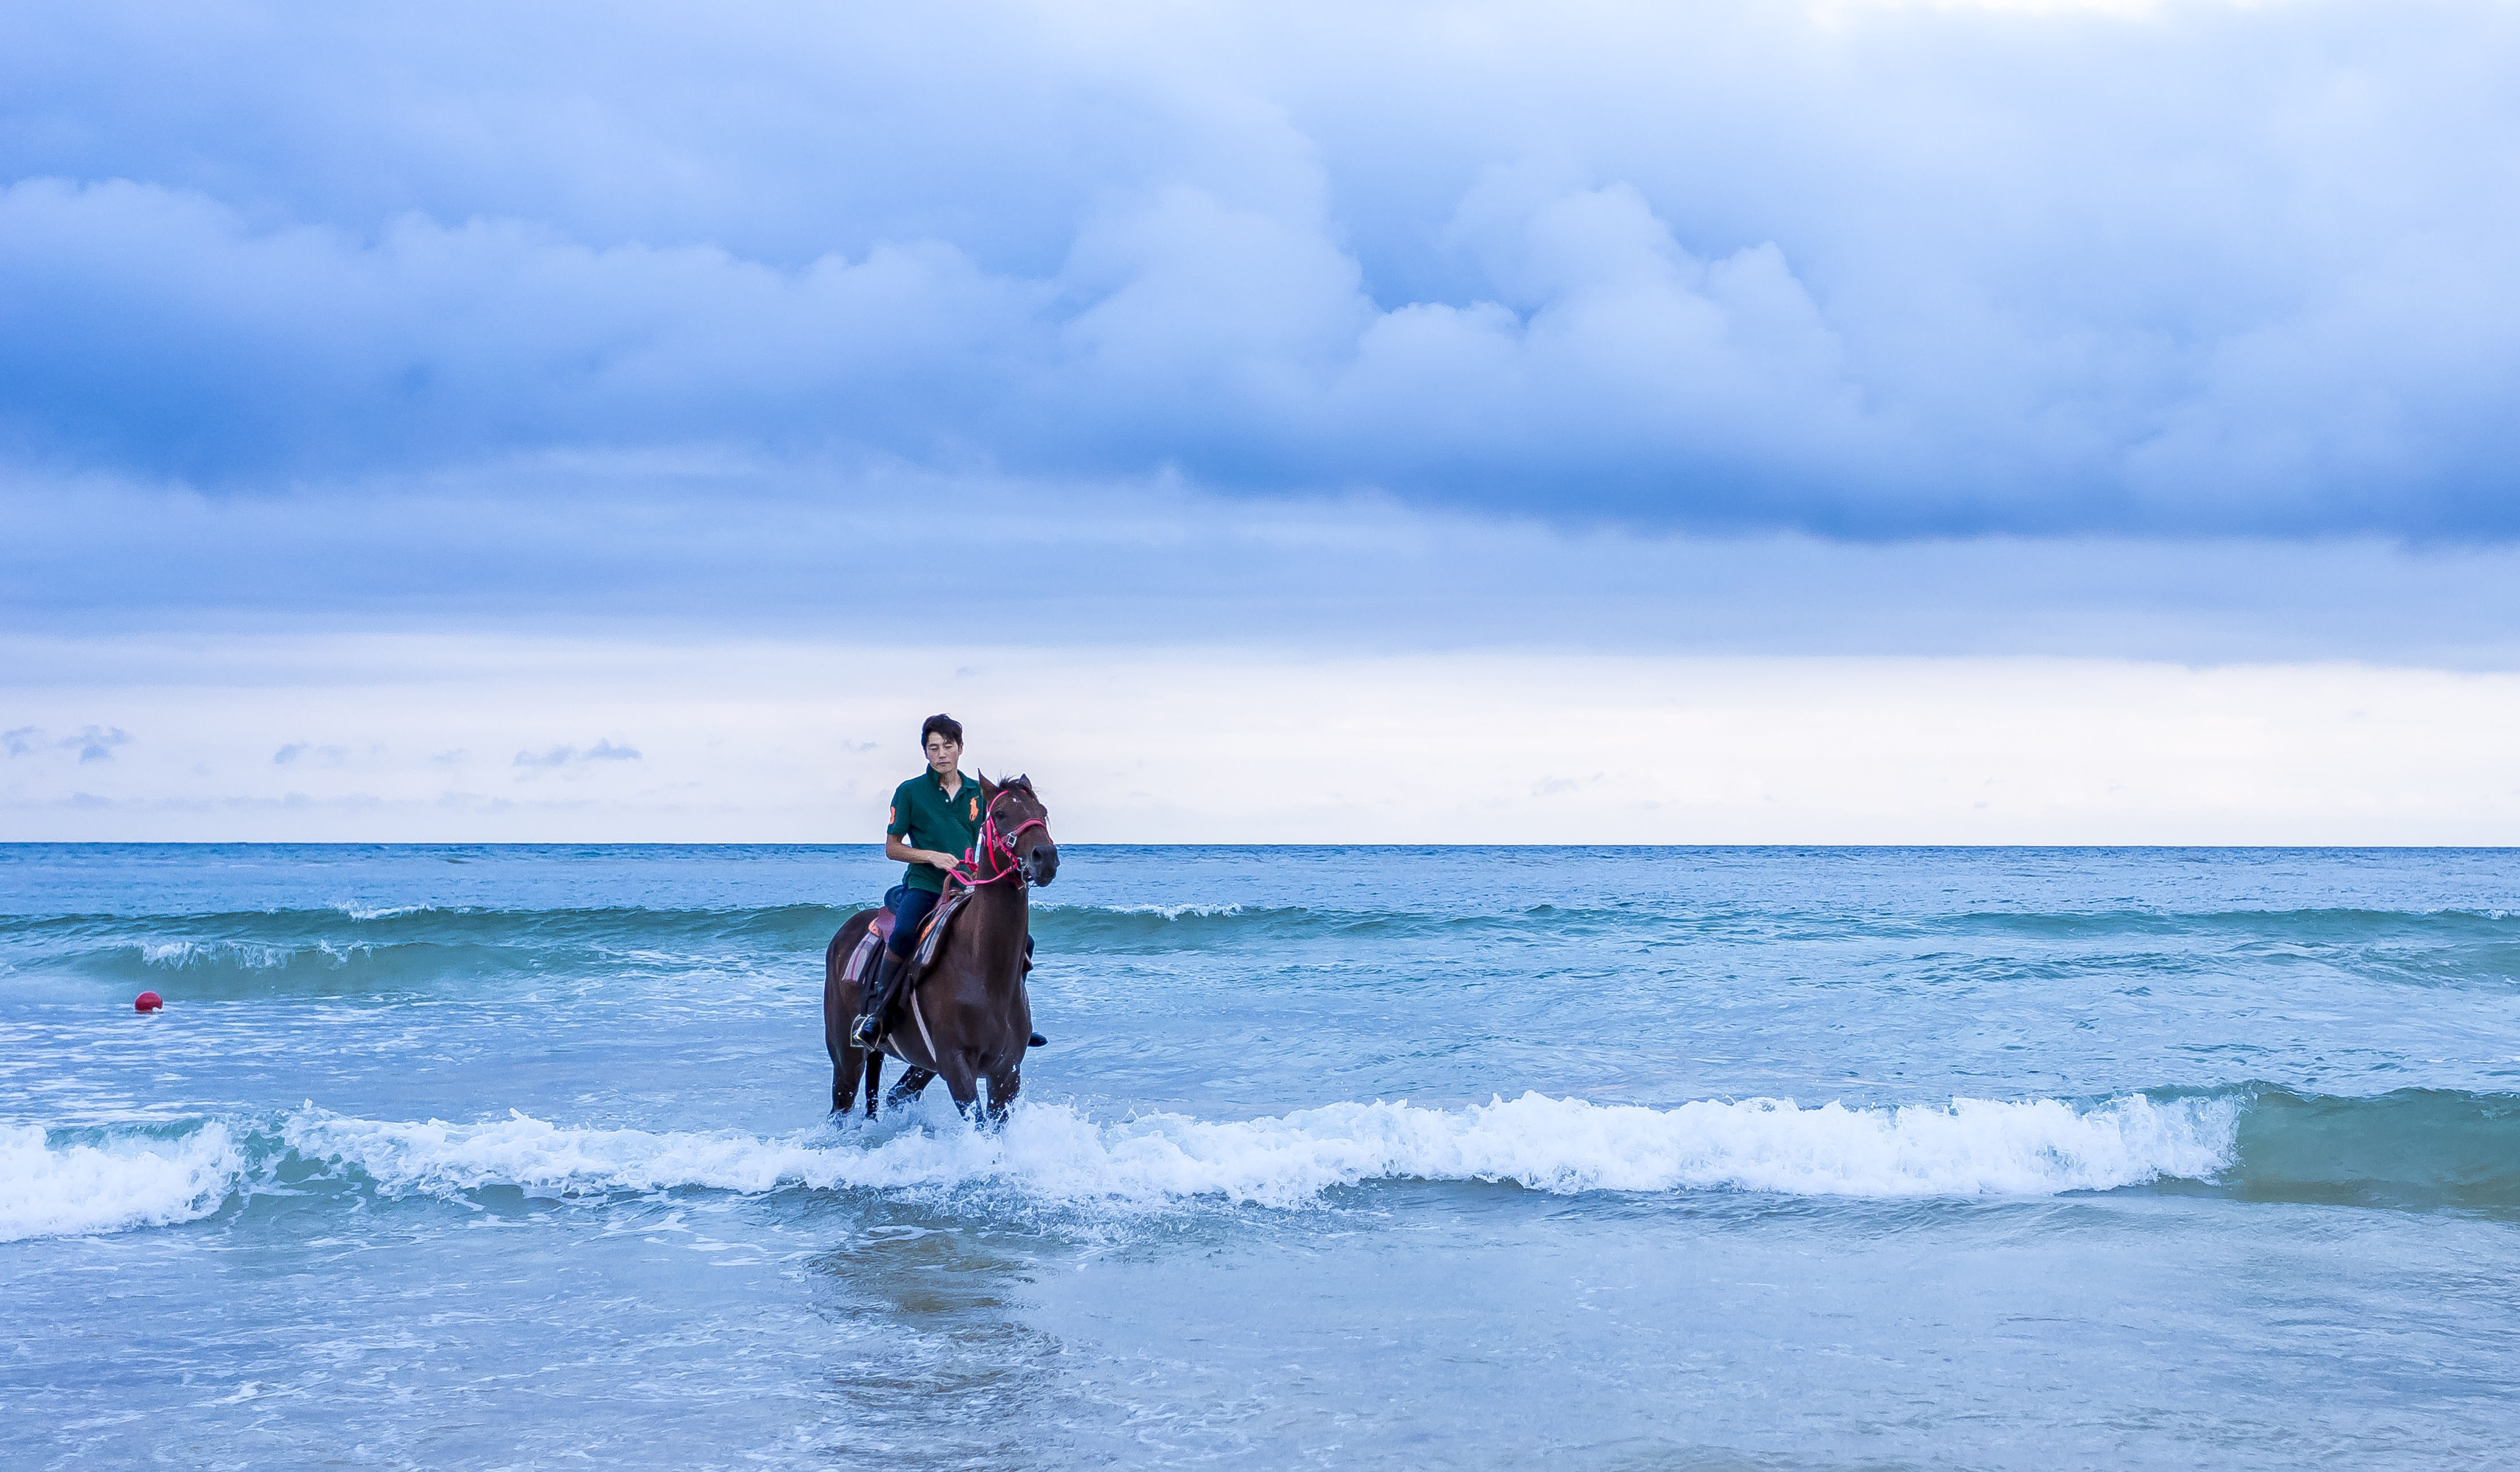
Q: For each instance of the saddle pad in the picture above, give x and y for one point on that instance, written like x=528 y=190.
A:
x=867 y=945
x=933 y=937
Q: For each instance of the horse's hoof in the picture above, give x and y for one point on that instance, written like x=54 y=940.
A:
x=1036 y=1041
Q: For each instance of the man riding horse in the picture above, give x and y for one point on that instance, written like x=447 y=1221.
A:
x=933 y=827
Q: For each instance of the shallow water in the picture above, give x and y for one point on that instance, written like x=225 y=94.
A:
x=487 y=1156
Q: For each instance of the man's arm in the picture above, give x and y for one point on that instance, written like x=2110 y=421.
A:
x=902 y=853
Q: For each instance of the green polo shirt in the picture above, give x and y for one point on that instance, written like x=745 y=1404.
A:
x=924 y=818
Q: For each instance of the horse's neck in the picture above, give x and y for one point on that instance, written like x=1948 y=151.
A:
x=1004 y=911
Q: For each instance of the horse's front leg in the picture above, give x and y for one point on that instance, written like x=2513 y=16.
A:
x=964 y=1083
x=1004 y=1085
x=909 y=1089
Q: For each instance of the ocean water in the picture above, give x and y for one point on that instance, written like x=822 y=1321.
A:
x=1627 y=1158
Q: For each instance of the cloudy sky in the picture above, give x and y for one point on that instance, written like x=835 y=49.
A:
x=1729 y=422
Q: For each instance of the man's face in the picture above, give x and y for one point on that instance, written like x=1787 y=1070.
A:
x=942 y=754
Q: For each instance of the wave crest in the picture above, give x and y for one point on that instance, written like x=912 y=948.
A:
x=1974 y=1147
x=113 y=1184
x=1053 y=1154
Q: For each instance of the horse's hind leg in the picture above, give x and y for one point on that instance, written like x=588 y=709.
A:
x=912 y=1083
x=846 y=1063
x=840 y=1009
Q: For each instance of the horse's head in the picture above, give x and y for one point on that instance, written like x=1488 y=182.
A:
x=1025 y=825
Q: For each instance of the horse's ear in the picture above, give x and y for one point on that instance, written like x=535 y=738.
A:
x=988 y=789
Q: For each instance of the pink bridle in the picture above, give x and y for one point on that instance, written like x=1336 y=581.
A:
x=997 y=846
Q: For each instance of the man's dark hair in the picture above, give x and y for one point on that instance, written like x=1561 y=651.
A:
x=944 y=726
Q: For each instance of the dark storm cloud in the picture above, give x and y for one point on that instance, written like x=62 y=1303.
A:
x=661 y=546
x=1722 y=267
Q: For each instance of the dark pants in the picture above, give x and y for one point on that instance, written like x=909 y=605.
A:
x=909 y=908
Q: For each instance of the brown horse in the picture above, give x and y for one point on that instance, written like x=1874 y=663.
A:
x=969 y=1019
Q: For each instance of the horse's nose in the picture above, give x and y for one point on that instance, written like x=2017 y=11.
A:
x=1045 y=863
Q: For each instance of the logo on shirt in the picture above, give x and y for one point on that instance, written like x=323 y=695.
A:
x=975 y=810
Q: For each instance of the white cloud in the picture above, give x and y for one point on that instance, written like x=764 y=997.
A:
x=564 y=756
x=1918 y=271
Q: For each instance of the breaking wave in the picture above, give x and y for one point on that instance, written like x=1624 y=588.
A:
x=1053 y=1154
x=93 y=1181
x=2412 y=1150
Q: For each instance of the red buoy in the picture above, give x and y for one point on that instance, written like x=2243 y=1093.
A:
x=147 y=1002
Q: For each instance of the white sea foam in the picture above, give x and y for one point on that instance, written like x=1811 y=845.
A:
x=1165 y=912
x=1054 y=1154
x=359 y=911
x=69 y=1189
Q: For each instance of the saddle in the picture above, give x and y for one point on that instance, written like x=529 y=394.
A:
x=931 y=937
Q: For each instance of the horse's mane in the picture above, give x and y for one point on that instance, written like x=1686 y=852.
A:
x=1018 y=783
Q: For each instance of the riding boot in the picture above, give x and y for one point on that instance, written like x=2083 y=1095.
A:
x=878 y=999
